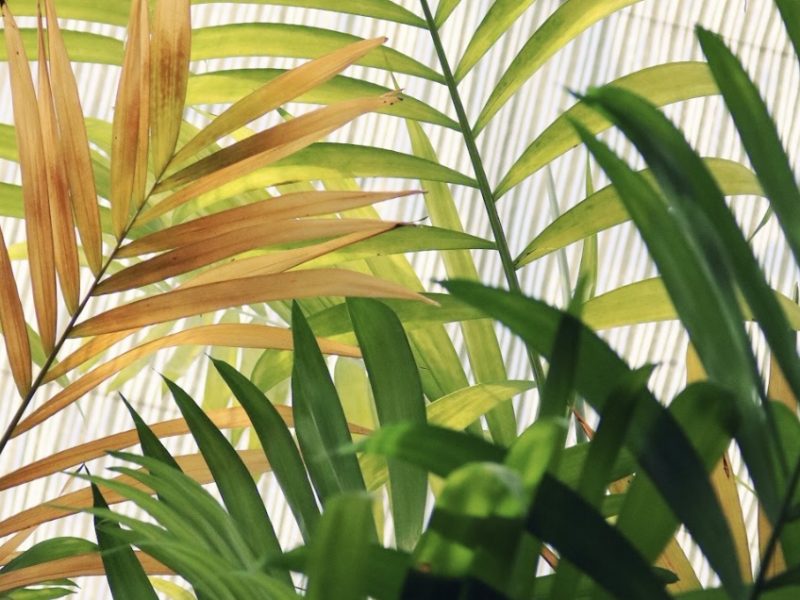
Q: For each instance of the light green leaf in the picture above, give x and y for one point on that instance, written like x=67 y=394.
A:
x=295 y=41
x=661 y=85
x=500 y=17
x=603 y=209
x=568 y=21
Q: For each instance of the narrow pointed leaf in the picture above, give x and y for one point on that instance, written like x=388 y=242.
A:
x=319 y=419
x=759 y=134
x=126 y=140
x=661 y=85
x=603 y=209
x=500 y=17
x=34 y=183
x=235 y=484
x=124 y=572
x=279 y=446
x=444 y=10
x=65 y=248
x=568 y=21
x=12 y=319
x=75 y=142
x=397 y=390
x=214 y=296
x=279 y=91
x=171 y=47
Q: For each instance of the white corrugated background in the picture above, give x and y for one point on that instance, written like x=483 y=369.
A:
x=648 y=33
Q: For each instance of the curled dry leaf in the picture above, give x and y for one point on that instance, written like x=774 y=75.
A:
x=34 y=183
x=75 y=143
x=273 y=94
x=233 y=335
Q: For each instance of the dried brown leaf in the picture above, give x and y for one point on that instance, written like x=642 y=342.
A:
x=289 y=206
x=281 y=90
x=216 y=246
x=65 y=247
x=171 y=47
x=75 y=143
x=259 y=150
x=127 y=140
x=34 y=183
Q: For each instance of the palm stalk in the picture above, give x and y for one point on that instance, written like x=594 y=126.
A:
x=480 y=176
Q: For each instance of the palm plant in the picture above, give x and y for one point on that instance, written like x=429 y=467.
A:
x=150 y=194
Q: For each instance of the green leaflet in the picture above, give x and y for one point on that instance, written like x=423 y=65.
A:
x=235 y=484
x=561 y=517
x=661 y=85
x=759 y=135
x=124 y=573
x=436 y=449
x=700 y=211
x=603 y=209
x=347 y=528
x=567 y=22
x=500 y=17
x=220 y=87
x=279 y=447
x=397 y=390
x=318 y=417
x=790 y=13
x=444 y=10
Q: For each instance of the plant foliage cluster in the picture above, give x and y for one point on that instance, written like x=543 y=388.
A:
x=186 y=227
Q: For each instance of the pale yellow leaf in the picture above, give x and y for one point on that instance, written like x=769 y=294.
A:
x=75 y=144
x=277 y=92
x=171 y=47
x=235 y=335
x=34 y=183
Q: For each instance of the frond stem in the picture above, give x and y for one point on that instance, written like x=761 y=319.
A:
x=480 y=176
